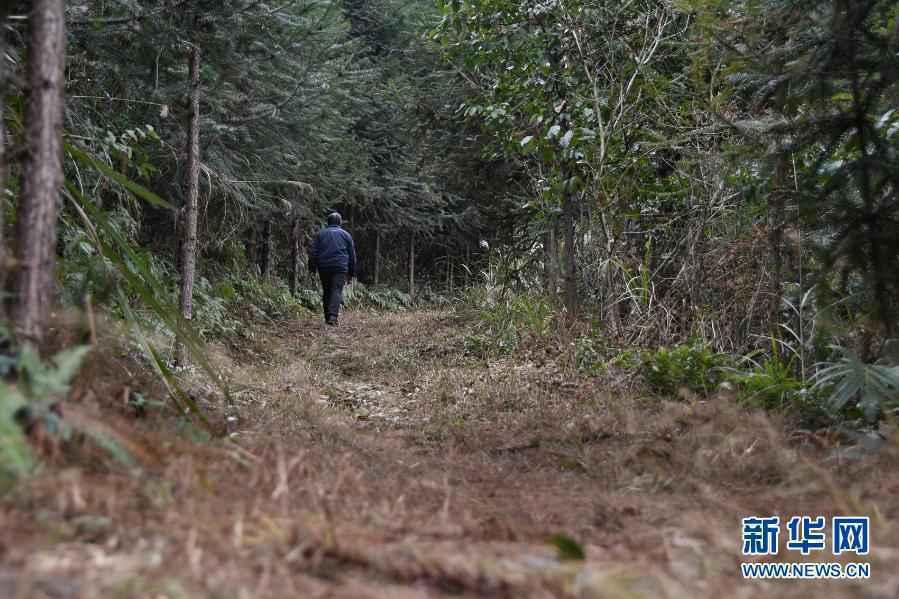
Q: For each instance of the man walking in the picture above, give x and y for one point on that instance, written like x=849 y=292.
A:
x=334 y=256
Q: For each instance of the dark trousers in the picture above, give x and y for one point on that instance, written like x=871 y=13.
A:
x=332 y=292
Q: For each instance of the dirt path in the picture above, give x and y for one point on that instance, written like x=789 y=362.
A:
x=380 y=460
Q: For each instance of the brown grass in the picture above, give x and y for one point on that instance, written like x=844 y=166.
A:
x=378 y=460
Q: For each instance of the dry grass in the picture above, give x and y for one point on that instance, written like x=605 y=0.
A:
x=380 y=461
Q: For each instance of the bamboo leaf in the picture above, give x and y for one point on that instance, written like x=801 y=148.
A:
x=140 y=279
x=135 y=188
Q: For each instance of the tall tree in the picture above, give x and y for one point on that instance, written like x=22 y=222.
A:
x=189 y=210
x=297 y=251
x=822 y=79
x=558 y=83
x=43 y=176
x=5 y=8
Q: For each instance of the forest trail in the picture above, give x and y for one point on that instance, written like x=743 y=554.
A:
x=379 y=459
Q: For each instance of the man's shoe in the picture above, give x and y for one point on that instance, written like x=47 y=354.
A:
x=331 y=322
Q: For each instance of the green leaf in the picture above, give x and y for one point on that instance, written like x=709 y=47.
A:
x=874 y=386
x=569 y=549
x=68 y=362
x=41 y=380
x=141 y=280
x=135 y=188
x=111 y=446
x=16 y=460
x=841 y=97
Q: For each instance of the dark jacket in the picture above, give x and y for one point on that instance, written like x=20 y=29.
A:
x=333 y=251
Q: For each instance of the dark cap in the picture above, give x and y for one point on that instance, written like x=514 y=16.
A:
x=334 y=219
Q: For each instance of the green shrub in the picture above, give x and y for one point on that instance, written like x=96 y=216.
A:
x=629 y=359
x=511 y=321
x=311 y=299
x=694 y=366
x=361 y=297
x=270 y=296
x=850 y=384
x=589 y=356
x=478 y=344
x=211 y=315
x=16 y=459
x=31 y=398
x=84 y=269
x=769 y=385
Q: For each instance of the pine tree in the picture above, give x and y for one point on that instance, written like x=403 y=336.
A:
x=43 y=176
x=188 y=228
x=822 y=74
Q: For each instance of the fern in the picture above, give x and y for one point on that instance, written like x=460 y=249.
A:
x=38 y=382
x=40 y=379
x=138 y=278
x=16 y=460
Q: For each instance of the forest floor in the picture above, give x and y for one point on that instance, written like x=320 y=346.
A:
x=379 y=459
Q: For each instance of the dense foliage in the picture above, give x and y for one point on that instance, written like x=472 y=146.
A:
x=724 y=172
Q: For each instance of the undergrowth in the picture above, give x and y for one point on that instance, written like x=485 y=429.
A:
x=221 y=305
x=358 y=296
x=29 y=407
x=505 y=324
x=843 y=389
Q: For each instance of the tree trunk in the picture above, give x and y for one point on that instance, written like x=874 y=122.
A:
x=449 y=272
x=377 y=256
x=569 y=213
x=249 y=245
x=296 y=257
x=610 y=306
x=412 y=267
x=776 y=220
x=43 y=175
x=550 y=261
x=189 y=211
x=467 y=262
x=267 y=257
x=4 y=255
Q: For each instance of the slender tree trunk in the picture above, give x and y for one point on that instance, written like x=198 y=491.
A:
x=412 y=267
x=4 y=254
x=189 y=222
x=550 y=261
x=776 y=220
x=296 y=259
x=449 y=272
x=610 y=306
x=43 y=175
x=569 y=214
x=249 y=245
x=377 y=256
x=267 y=251
x=467 y=262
